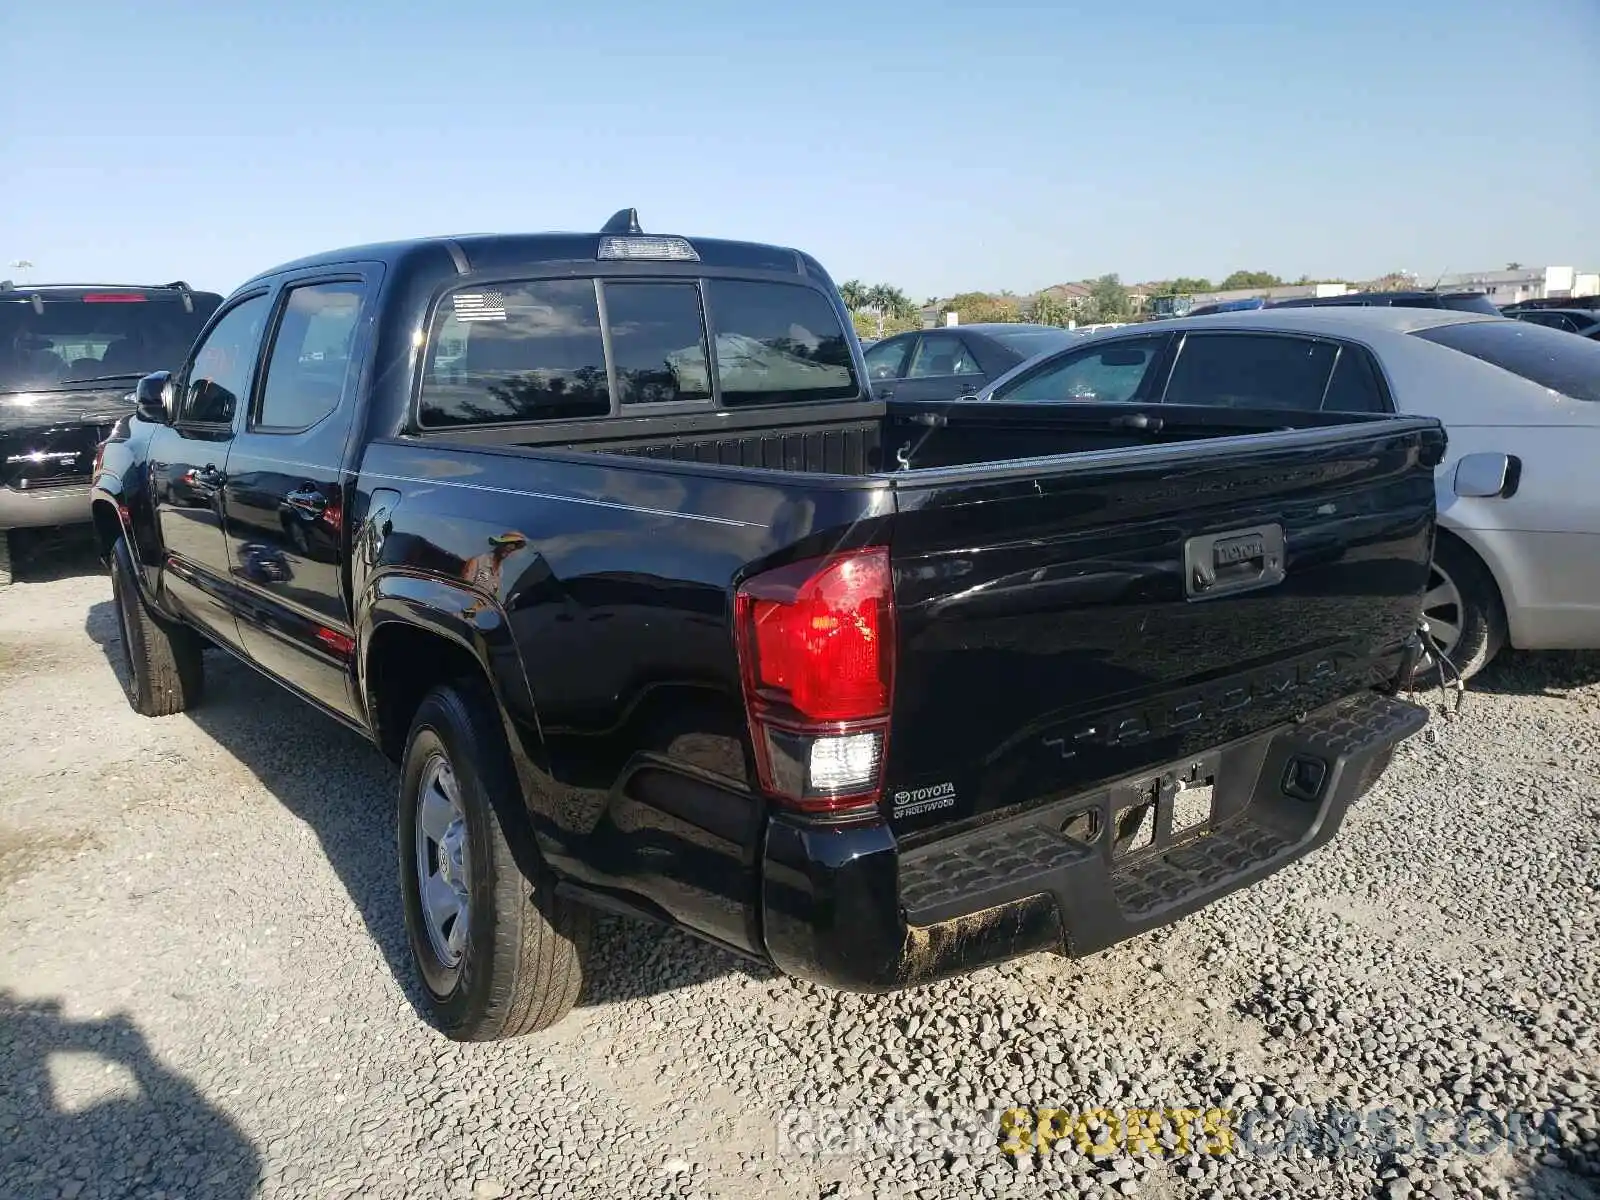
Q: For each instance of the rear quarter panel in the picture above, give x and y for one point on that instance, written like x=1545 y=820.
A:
x=1542 y=544
x=614 y=578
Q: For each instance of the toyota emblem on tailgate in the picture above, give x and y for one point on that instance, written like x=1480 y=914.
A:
x=1238 y=560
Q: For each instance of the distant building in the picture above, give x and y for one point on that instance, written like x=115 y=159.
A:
x=1516 y=284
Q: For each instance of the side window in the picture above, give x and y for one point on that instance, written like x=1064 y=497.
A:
x=1249 y=370
x=311 y=356
x=527 y=351
x=1355 y=386
x=941 y=354
x=1111 y=373
x=223 y=364
x=658 y=342
x=887 y=360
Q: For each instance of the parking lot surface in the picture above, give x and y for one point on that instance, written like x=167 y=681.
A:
x=204 y=989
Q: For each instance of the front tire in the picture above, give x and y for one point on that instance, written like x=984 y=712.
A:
x=166 y=673
x=498 y=955
x=1463 y=610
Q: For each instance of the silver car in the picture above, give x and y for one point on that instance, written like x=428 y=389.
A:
x=1518 y=554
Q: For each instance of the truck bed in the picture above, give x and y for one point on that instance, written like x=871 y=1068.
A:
x=878 y=437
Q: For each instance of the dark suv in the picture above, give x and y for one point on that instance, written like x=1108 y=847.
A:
x=69 y=356
x=1476 y=302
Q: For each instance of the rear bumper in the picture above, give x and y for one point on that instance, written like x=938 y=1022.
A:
x=850 y=909
x=30 y=508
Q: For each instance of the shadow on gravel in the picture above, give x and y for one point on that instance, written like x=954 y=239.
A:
x=344 y=790
x=634 y=959
x=87 y=1111
x=1538 y=672
x=49 y=555
x=1573 y=1179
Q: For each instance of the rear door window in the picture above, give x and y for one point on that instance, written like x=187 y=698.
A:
x=1112 y=372
x=1548 y=357
x=1249 y=370
x=310 y=359
x=939 y=355
x=525 y=351
x=1356 y=386
x=778 y=343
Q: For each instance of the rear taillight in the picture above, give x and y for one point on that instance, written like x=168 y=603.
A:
x=113 y=298
x=816 y=648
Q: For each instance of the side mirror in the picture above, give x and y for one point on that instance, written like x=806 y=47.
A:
x=1488 y=474
x=153 y=397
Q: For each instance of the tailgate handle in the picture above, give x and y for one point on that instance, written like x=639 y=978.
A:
x=1236 y=560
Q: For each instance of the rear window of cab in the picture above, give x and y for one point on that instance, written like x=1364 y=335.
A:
x=563 y=349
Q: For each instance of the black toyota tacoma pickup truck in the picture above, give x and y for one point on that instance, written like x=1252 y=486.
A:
x=69 y=356
x=603 y=539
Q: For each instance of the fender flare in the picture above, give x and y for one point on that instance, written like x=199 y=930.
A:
x=457 y=613
x=106 y=490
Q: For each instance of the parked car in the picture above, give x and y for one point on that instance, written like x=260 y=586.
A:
x=661 y=613
x=1585 y=322
x=1224 y=306
x=69 y=354
x=1476 y=302
x=1518 y=558
x=1588 y=303
x=942 y=364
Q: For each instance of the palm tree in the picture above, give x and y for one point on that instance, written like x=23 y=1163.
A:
x=888 y=301
x=854 y=294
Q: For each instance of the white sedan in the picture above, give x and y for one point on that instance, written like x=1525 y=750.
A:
x=1518 y=554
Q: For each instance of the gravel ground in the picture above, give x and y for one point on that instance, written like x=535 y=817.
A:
x=204 y=991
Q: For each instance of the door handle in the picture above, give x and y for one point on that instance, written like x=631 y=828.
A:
x=209 y=476
x=307 y=501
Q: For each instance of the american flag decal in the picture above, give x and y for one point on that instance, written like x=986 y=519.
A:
x=479 y=306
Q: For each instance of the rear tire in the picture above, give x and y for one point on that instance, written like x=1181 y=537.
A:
x=166 y=673
x=498 y=954
x=1464 y=609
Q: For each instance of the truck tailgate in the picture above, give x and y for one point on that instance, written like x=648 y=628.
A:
x=1070 y=620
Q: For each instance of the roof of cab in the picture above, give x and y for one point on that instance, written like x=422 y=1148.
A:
x=10 y=290
x=504 y=251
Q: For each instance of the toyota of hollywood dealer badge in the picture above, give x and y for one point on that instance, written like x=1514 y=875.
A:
x=913 y=802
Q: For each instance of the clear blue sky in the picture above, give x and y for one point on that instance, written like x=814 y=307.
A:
x=934 y=145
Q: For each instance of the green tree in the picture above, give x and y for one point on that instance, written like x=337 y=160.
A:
x=1051 y=310
x=1250 y=279
x=1108 y=299
x=890 y=303
x=854 y=294
x=976 y=308
x=1513 y=266
x=1183 y=285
